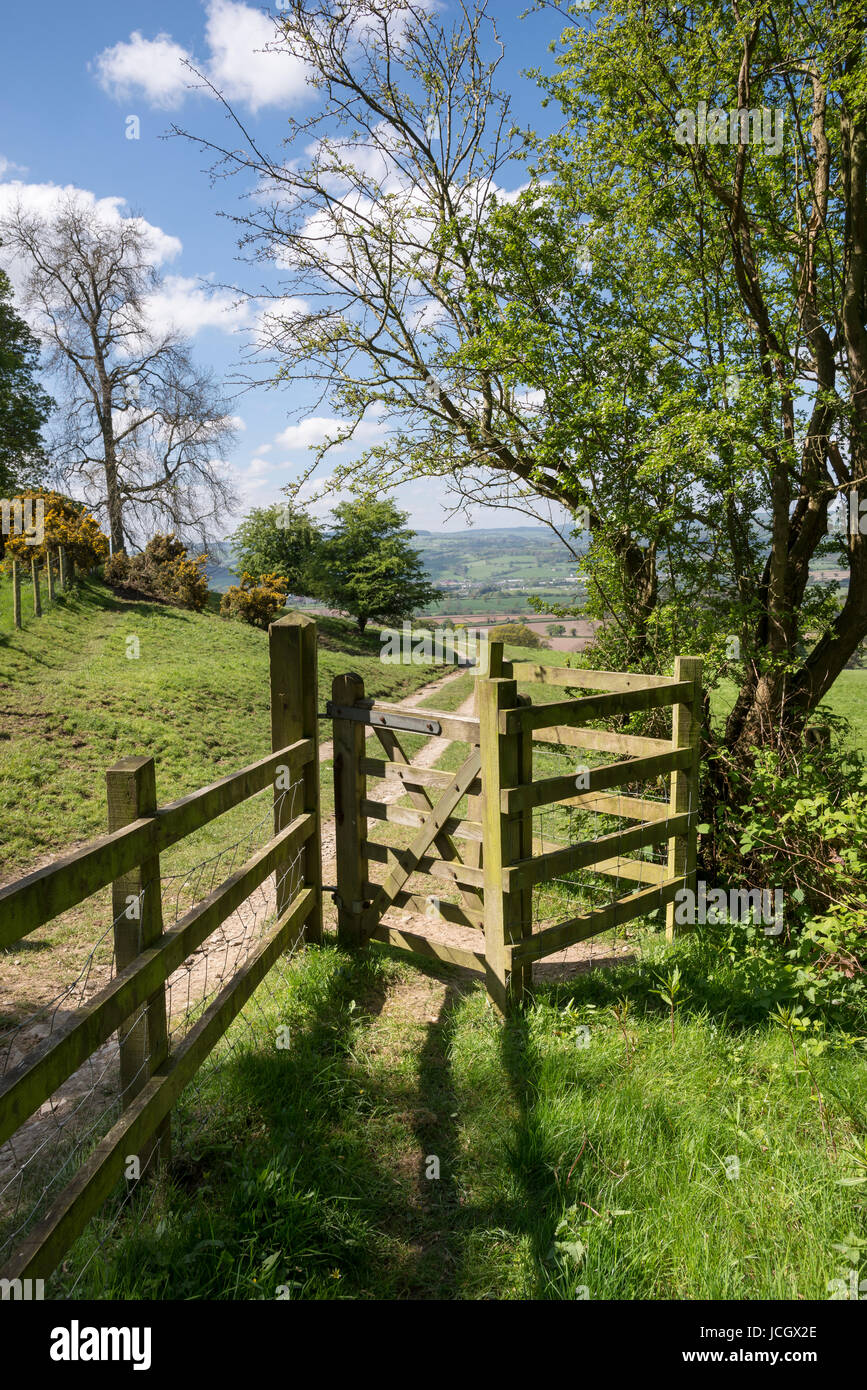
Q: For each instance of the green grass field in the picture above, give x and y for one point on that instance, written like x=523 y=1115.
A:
x=388 y=1155
x=406 y=1145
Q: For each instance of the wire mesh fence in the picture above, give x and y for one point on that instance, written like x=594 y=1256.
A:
x=44 y=1153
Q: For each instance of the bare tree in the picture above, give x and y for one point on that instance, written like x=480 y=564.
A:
x=142 y=429
x=379 y=236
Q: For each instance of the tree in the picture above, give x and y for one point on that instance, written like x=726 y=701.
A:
x=24 y=405
x=276 y=540
x=743 y=188
x=144 y=430
x=366 y=566
x=664 y=334
x=516 y=635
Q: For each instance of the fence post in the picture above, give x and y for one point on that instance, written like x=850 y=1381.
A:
x=350 y=823
x=136 y=901
x=295 y=715
x=502 y=759
x=34 y=576
x=471 y=852
x=64 y=571
x=523 y=846
x=49 y=572
x=16 y=593
x=686 y=733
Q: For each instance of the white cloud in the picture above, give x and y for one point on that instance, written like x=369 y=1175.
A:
x=43 y=200
x=317 y=428
x=8 y=166
x=154 y=67
x=189 y=306
x=237 y=38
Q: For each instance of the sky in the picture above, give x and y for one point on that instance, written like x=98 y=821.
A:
x=75 y=76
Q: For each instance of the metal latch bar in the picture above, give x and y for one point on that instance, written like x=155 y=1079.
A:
x=383 y=719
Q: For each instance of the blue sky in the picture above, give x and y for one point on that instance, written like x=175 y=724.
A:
x=75 y=74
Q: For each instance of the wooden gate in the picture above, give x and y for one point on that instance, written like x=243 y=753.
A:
x=474 y=826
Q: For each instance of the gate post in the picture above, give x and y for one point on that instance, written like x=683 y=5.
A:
x=350 y=789
x=686 y=733
x=295 y=715
x=136 y=901
x=503 y=765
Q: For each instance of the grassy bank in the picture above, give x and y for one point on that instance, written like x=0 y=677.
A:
x=577 y=1156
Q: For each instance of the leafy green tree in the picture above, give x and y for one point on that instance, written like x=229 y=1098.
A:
x=24 y=406
x=515 y=635
x=276 y=540
x=665 y=333
x=367 y=567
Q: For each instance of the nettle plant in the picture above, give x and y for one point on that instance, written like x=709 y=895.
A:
x=802 y=826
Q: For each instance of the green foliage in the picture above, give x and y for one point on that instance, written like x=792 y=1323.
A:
x=162 y=571
x=365 y=565
x=255 y=600
x=801 y=826
x=276 y=540
x=516 y=635
x=24 y=406
x=567 y=1171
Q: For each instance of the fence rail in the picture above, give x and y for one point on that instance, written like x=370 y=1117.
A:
x=491 y=852
x=133 y=1003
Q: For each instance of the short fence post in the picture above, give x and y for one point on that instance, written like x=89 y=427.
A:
x=16 y=593
x=686 y=733
x=502 y=760
x=34 y=576
x=295 y=715
x=350 y=822
x=49 y=572
x=64 y=569
x=136 y=901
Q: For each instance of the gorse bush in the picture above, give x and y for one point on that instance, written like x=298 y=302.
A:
x=162 y=571
x=255 y=601
x=65 y=522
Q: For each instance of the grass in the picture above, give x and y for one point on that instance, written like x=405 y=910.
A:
x=196 y=698
x=572 y=1161
x=73 y=702
x=406 y=1145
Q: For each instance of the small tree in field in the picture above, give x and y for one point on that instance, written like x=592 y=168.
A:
x=276 y=540
x=367 y=567
x=515 y=635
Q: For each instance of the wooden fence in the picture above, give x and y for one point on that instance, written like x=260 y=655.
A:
x=59 y=573
x=490 y=855
x=133 y=1004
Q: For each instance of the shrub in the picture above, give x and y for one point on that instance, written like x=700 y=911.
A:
x=255 y=601
x=162 y=571
x=67 y=523
x=801 y=826
x=516 y=634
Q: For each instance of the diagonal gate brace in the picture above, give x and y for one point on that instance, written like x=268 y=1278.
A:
x=427 y=833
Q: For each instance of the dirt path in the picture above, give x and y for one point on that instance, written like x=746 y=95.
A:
x=326 y=750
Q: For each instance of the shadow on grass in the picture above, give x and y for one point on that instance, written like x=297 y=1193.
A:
x=295 y=1170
